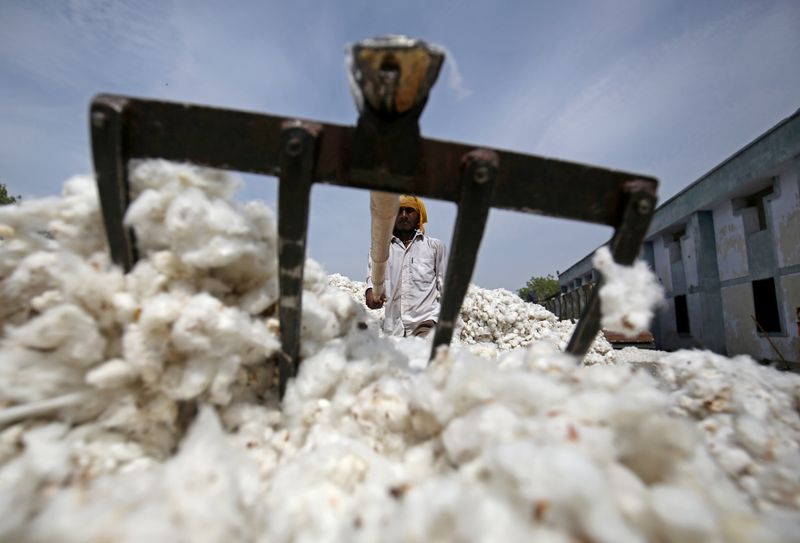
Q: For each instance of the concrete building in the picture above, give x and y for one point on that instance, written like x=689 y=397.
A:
x=727 y=251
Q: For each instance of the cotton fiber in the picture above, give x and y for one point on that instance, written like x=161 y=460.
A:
x=143 y=406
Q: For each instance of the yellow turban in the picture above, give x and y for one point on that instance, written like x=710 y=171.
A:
x=419 y=205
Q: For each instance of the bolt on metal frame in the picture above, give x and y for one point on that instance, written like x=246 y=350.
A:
x=384 y=152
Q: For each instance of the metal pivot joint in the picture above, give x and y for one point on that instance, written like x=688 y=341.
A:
x=479 y=171
x=297 y=158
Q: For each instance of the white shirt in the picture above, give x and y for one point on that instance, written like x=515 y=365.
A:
x=413 y=283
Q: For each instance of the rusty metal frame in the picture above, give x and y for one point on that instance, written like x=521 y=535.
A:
x=301 y=153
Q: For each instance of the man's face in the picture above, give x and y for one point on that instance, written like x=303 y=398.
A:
x=407 y=219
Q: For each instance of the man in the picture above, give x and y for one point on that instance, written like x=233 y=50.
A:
x=414 y=274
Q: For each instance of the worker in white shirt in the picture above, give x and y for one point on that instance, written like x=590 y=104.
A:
x=414 y=274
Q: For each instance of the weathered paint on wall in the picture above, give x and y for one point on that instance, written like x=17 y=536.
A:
x=661 y=258
x=731 y=245
x=667 y=325
x=790 y=285
x=688 y=250
x=693 y=304
x=786 y=216
x=740 y=331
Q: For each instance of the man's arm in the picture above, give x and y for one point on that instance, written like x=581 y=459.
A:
x=441 y=265
x=372 y=301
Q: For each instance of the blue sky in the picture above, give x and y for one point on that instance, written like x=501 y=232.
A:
x=668 y=89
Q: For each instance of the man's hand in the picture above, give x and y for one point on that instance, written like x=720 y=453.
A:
x=372 y=301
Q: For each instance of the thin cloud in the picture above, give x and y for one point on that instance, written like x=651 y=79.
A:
x=455 y=82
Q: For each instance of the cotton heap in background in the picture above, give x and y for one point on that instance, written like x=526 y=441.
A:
x=143 y=407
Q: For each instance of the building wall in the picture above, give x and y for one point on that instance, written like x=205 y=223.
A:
x=723 y=243
x=731 y=246
x=786 y=215
x=685 y=262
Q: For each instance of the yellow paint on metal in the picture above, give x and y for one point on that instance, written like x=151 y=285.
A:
x=413 y=65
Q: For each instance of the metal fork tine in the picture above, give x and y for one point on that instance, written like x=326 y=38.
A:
x=479 y=171
x=624 y=246
x=297 y=157
x=110 y=164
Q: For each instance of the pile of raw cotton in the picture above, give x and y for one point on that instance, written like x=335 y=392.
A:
x=141 y=407
x=493 y=321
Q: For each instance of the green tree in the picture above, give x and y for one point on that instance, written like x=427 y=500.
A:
x=6 y=198
x=541 y=287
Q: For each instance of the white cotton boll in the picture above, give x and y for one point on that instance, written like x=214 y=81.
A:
x=318 y=324
x=208 y=329
x=320 y=373
x=11 y=443
x=31 y=277
x=199 y=495
x=227 y=369
x=547 y=357
x=466 y=436
x=90 y=283
x=259 y=298
x=206 y=233
x=46 y=300
x=159 y=313
x=146 y=215
x=211 y=251
x=262 y=218
x=143 y=353
x=683 y=516
x=47 y=455
x=145 y=280
x=18 y=492
x=339 y=303
x=780 y=482
x=365 y=343
x=65 y=331
x=148 y=419
x=453 y=509
x=199 y=321
x=190 y=380
x=631 y=497
x=734 y=460
x=112 y=374
x=384 y=404
x=192 y=207
x=77 y=224
x=652 y=450
x=126 y=307
x=627 y=296
x=604 y=523
x=97 y=452
x=558 y=475
x=314 y=277
x=23 y=220
x=752 y=434
x=173 y=178
x=28 y=376
x=321 y=481
x=168 y=264
x=416 y=351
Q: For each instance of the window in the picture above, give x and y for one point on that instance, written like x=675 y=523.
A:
x=766 y=304
x=674 y=246
x=757 y=201
x=681 y=315
x=753 y=210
